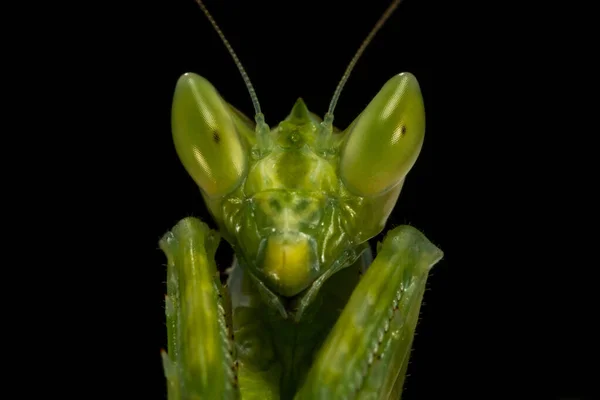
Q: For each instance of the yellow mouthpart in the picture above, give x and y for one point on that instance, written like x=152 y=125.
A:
x=287 y=264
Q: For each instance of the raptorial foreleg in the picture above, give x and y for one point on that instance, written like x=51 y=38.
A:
x=199 y=363
x=366 y=353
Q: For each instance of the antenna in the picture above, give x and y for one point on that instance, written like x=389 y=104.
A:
x=326 y=127
x=262 y=129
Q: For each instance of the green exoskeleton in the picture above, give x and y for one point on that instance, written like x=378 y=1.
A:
x=306 y=312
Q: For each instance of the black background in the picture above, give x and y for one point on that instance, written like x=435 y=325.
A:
x=479 y=335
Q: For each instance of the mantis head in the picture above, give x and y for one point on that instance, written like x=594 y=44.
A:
x=298 y=202
x=297 y=210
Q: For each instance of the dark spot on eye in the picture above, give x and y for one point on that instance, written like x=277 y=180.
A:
x=403 y=130
x=216 y=137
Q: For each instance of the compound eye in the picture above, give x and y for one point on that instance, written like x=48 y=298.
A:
x=386 y=139
x=205 y=136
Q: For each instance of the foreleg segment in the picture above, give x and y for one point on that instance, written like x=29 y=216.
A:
x=366 y=353
x=200 y=359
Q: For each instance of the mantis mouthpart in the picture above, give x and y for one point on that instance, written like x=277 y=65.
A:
x=307 y=312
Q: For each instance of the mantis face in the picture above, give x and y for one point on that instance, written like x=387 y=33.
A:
x=297 y=203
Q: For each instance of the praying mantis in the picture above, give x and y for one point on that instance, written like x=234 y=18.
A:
x=307 y=312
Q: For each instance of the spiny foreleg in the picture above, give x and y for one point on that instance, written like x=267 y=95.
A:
x=366 y=354
x=200 y=360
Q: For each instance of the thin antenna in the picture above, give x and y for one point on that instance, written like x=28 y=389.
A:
x=359 y=52
x=326 y=130
x=234 y=56
x=262 y=129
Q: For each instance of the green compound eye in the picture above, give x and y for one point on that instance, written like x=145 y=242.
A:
x=205 y=136
x=385 y=140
